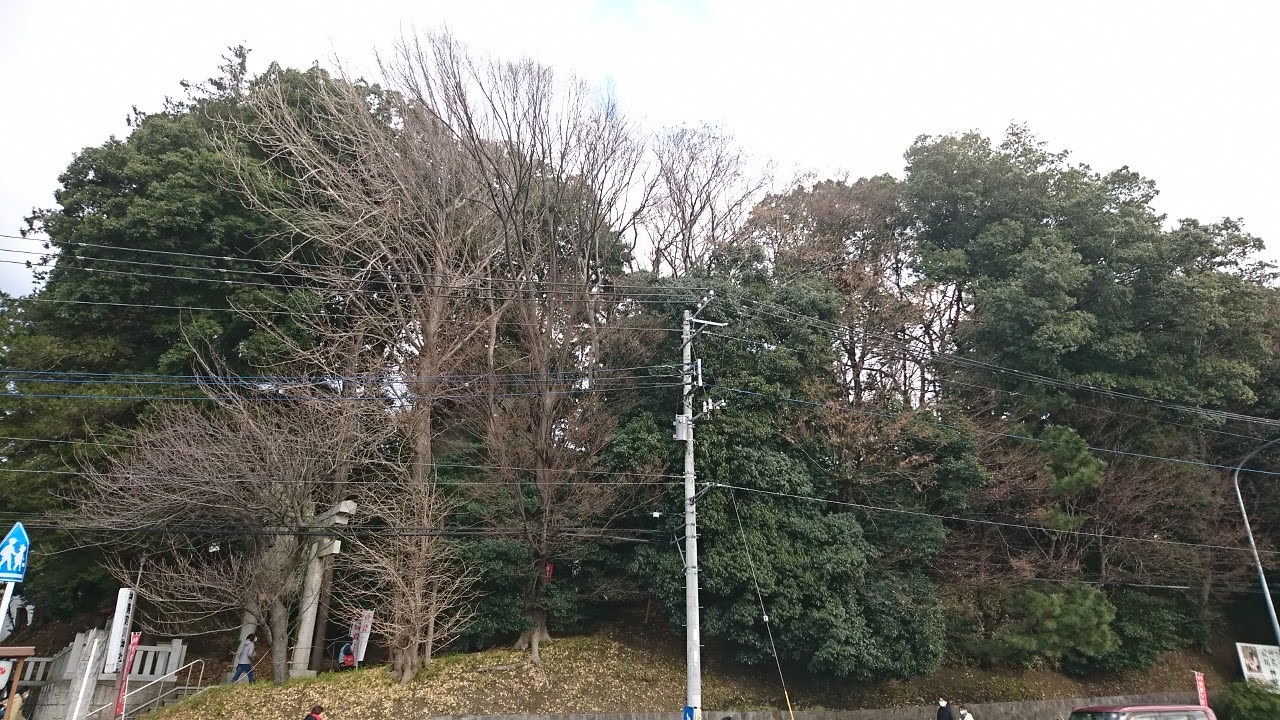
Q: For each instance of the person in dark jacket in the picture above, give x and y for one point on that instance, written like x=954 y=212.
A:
x=317 y=713
x=944 y=710
x=347 y=655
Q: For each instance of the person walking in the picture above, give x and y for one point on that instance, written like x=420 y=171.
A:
x=944 y=710
x=14 y=709
x=964 y=712
x=244 y=659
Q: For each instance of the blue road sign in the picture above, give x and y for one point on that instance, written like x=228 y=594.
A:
x=13 y=554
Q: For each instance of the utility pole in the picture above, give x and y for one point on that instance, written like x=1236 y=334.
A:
x=684 y=432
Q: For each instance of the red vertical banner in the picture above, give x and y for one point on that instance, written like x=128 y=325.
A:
x=550 y=569
x=128 y=668
x=1200 y=689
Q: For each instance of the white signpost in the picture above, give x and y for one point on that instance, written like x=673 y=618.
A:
x=119 y=637
x=1261 y=664
x=14 y=551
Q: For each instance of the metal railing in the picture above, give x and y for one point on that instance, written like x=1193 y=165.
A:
x=156 y=701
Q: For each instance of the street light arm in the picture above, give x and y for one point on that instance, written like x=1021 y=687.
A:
x=1253 y=453
x=1248 y=528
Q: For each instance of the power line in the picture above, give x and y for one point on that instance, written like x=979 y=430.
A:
x=635 y=293
x=359 y=482
x=791 y=315
x=671 y=294
x=993 y=433
x=278 y=263
x=442 y=464
x=332 y=531
x=1121 y=413
x=255 y=311
x=602 y=373
x=468 y=292
x=993 y=523
x=764 y=613
x=336 y=398
x=766 y=345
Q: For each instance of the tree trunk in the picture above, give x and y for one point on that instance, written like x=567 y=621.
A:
x=432 y=611
x=1206 y=614
x=405 y=663
x=279 y=641
x=987 y=614
x=536 y=633
x=533 y=637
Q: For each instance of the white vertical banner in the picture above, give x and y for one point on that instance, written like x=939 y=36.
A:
x=360 y=631
x=119 y=636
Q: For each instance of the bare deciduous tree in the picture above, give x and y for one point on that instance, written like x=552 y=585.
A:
x=223 y=497
x=702 y=196
x=559 y=166
x=392 y=233
x=467 y=221
x=408 y=570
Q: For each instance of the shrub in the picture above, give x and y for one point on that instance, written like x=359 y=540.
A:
x=1247 y=701
x=1145 y=625
x=1048 y=624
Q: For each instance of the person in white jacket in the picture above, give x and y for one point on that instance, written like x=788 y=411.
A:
x=964 y=713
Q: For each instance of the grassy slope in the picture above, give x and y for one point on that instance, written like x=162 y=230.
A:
x=617 y=671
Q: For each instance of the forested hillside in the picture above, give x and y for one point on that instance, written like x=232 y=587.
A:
x=983 y=411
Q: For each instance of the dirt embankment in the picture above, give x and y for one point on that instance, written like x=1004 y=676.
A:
x=621 y=671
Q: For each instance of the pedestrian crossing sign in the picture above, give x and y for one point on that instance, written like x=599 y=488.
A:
x=13 y=554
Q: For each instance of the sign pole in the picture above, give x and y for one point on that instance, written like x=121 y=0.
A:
x=4 y=605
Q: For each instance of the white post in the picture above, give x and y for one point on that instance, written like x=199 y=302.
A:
x=4 y=609
x=693 y=635
x=89 y=672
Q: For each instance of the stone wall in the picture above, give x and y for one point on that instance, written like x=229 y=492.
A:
x=1028 y=710
x=54 y=700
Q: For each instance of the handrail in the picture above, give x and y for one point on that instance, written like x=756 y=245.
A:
x=164 y=678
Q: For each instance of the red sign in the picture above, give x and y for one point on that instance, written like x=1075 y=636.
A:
x=1200 y=691
x=128 y=668
x=550 y=569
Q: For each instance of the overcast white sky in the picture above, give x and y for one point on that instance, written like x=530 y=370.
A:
x=1184 y=92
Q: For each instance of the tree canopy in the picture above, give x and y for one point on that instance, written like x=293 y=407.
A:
x=976 y=410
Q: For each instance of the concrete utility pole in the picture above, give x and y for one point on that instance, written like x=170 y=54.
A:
x=684 y=432
x=1257 y=560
